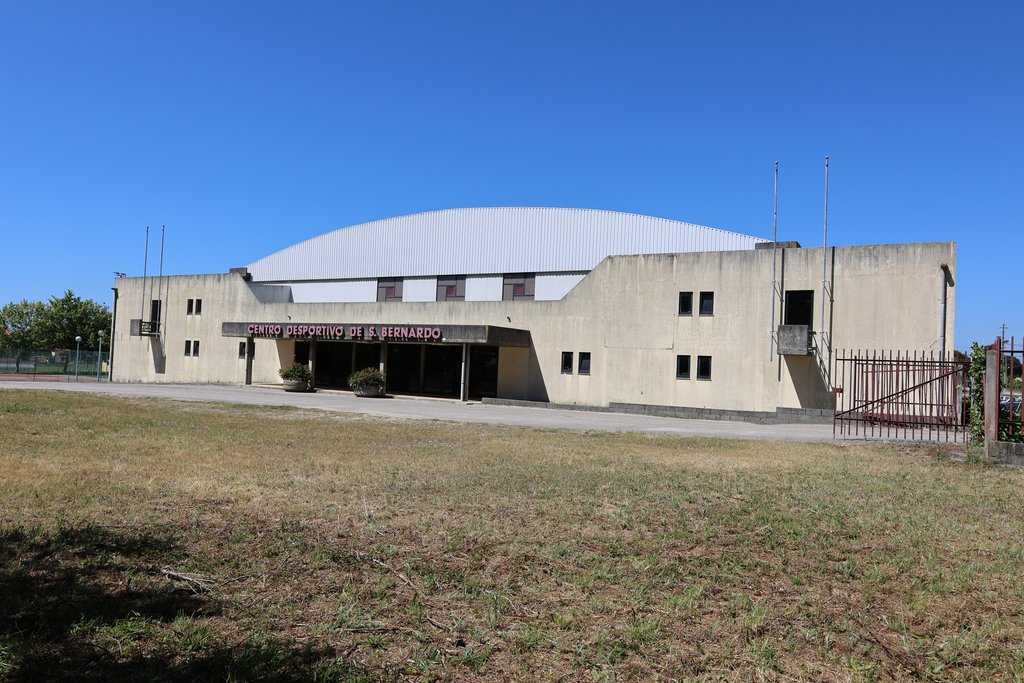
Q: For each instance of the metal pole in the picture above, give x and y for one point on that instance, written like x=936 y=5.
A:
x=145 y=266
x=160 y=291
x=775 y=244
x=99 y=355
x=824 y=270
x=78 y=354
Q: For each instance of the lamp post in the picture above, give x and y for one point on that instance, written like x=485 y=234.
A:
x=78 y=354
x=99 y=355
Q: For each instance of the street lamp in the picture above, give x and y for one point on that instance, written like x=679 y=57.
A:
x=99 y=355
x=78 y=354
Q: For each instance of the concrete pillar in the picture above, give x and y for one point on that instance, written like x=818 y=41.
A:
x=991 y=401
x=250 y=351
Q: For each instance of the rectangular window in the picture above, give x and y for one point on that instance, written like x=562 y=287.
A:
x=682 y=367
x=685 y=303
x=154 y=311
x=707 y=303
x=451 y=288
x=566 y=362
x=389 y=290
x=199 y=306
x=241 y=349
x=799 y=307
x=195 y=348
x=189 y=307
x=188 y=347
x=518 y=287
x=584 y=363
x=703 y=367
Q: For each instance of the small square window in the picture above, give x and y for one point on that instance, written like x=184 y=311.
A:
x=188 y=347
x=195 y=348
x=685 y=303
x=451 y=288
x=584 y=368
x=189 y=307
x=566 y=362
x=389 y=290
x=703 y=367
x=199 y=306
x=518 y=286
x=707 y=303
x=241 y=349
x=682 y=367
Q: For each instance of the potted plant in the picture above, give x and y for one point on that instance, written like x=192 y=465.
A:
x=368 y=382
x=297 y=377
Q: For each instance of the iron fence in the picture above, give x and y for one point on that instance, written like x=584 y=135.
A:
x=1009 y=370
x=901 y=395
x=64 y=365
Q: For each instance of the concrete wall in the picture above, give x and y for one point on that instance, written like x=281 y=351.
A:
x=624 y=313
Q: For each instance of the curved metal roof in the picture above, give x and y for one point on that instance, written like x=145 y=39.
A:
x=478 y=241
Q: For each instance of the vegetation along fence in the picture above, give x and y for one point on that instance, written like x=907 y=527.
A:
x=69 y=365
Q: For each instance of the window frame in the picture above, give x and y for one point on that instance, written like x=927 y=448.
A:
x=687 y=310
x=710 y=297
x=684 y=366
x=518 y=286
x=190 y=307
x=567 y=360
x=704 y=377
x=188 y=348
x=394 y=284
x=199 y=307
x=583 y=356
x=451 y=288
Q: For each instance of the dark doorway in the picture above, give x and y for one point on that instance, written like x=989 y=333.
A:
x=483 y=372
x=333 y=364
x=301 y=352
x=442 y=370
x=799 y=307
x=366 y=356
x=403 y=376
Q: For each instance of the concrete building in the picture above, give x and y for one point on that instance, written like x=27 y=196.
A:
x=569 y=306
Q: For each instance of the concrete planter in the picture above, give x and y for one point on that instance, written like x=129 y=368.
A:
x=368 y=391
x=296 y=385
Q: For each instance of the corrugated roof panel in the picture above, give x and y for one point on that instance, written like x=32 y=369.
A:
x=480 y=241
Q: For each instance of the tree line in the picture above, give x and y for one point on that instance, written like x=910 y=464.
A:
x=53 y=325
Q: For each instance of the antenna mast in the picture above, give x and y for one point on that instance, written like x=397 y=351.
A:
x=160 y=291
x=775 y=244
x=824 y=271
x=145 y=265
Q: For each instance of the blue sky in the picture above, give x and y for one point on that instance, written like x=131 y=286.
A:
x=245 y=127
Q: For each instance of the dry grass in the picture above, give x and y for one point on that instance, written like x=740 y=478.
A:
x=325 y=547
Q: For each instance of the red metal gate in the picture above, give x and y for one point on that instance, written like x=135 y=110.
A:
x=900 y=395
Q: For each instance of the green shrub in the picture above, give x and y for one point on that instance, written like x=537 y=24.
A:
x=296 y=372
x=367 y=377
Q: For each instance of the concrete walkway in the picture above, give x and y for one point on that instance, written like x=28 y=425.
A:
x=437 y=409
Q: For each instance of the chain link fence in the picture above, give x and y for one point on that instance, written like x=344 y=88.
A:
x=63 y=365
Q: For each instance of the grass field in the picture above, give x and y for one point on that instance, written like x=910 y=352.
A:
x=150 y=540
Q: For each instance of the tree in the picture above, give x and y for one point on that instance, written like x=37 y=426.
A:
x=19 y=328
x=18 y=323
x=69 y=316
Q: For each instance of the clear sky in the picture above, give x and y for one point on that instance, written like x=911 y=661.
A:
x=248 y=126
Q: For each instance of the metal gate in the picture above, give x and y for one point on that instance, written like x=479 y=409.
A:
x=900 y=395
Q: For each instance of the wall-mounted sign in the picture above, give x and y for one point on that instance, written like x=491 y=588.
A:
x=336 y=331
x=376 y=332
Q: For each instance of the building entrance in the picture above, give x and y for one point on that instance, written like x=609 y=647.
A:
x=421 y=369
x=335 y=361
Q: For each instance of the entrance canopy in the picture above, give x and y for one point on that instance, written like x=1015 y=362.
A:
x=343 y=331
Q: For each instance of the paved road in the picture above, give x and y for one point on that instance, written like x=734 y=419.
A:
x=435 y=409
